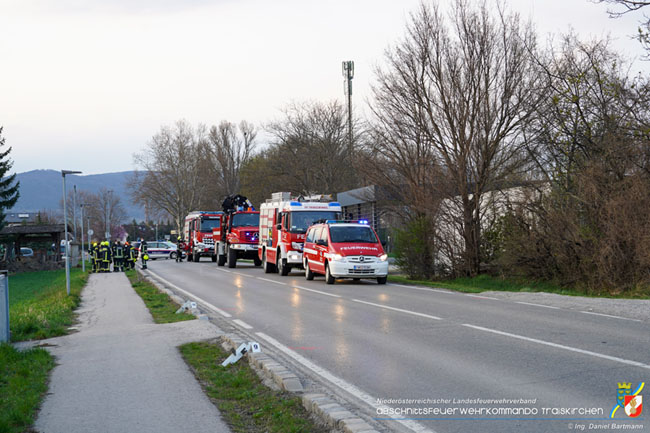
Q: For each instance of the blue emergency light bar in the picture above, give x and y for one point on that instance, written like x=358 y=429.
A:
x=334 y=203
x=295 y=203
x=346 y=221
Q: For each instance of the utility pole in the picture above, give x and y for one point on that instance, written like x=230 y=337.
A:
x=83 y=259
x=65 y=224
x=74 y=213
x=348 y=74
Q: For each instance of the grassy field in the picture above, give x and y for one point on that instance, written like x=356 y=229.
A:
x=23 y=381
x=245 y=403
x=39 y=306
x=483 y=283
x=162 y=309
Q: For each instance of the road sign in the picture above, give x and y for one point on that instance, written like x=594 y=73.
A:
x=91 y=232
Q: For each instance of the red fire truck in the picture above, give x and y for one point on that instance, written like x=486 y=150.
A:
x=197 y=232
x=283 y=224
x=237 y=235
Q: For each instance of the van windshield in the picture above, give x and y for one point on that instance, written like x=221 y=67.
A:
x=357 y=234
x=246 y=220
x=299 y=221
x=208 y=224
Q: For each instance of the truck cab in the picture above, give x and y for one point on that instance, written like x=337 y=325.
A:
x=283 y=224
x=197 y=232
x=344 y=249
x=237 y=238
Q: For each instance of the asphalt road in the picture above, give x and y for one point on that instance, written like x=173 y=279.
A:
x=414 y=343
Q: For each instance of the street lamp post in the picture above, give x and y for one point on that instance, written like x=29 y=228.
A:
x=65 y=224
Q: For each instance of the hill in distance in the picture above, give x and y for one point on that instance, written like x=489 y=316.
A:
x=43 y=190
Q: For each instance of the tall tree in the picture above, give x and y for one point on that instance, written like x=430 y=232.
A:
x=455 y=94
x=309 y=154
x=231 y=146
x=627 y=6
x=177 y=173
x=9 y=187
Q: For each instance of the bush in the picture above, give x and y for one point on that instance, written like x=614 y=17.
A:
x=415 y=248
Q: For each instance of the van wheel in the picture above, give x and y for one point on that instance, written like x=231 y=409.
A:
x=268 y=267
x=232 y=258
x=283 y=268
x=214 y=258
x=257 y=261
x=221 y=260
x=309 y=275
x=329 y=279
x=382 y=280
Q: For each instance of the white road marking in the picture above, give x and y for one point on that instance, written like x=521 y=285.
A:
x=344 y=385
x=242 y=274
x=608 y=315
x=206 y=303
x=242 y=324
x=482 y=297
x=423 y=289
x=414 y=313
x=222 y=270
x=271 y=281
x=445 y=291
x=561 y=346
x=538 y=305
x=317 y=291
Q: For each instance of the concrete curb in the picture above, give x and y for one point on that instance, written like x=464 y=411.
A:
x=322 y=407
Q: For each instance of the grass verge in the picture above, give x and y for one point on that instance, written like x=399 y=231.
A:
x=483 y=283
x=39 y=306
x=23 y=382
x=161 y=307
x=245 y=403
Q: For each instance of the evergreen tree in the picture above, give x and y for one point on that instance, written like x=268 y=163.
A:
x=8 y=186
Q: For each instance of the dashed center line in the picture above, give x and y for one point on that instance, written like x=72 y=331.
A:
x=538 y=305
x=243 y=274
x=414 y=313
x=317 y=291
x=609 y=315
x=271 y=281
x=482 y=297
x=561 y=346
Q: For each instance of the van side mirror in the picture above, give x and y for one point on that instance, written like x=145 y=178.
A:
x=321 y=242
x=278 y=226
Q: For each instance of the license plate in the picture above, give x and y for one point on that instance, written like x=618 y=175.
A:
x=361 y=267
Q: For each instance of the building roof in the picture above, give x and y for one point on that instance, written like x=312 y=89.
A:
x=33 y=229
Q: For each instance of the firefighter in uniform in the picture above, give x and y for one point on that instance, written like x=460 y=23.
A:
x=143 y=254
x=106 y=257
x=179 y=250
x=118 y=257
x=127 y=255
x=93 y=257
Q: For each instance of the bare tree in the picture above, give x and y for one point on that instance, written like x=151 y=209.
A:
x=452 y=101
x=176 y=172
x=231 y=147
x=105 y=211
x=627 y=6
x=310 y=153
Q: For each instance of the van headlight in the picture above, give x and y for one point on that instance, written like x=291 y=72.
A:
x=383 y=257
x=337 y=257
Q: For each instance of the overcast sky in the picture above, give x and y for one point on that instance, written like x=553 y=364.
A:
x=84 y=84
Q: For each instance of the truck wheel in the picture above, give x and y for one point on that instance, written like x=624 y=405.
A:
x=329 y=279
x=221 y=260
x=382 y=280
x=214 y=258
x=309 y=275
x=257 y=261
x=196 y=257
x=268 y=267
x=283 y=268
x=232 y=258
x=189 y=256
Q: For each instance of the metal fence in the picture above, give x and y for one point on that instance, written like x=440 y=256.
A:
x=4 y=307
